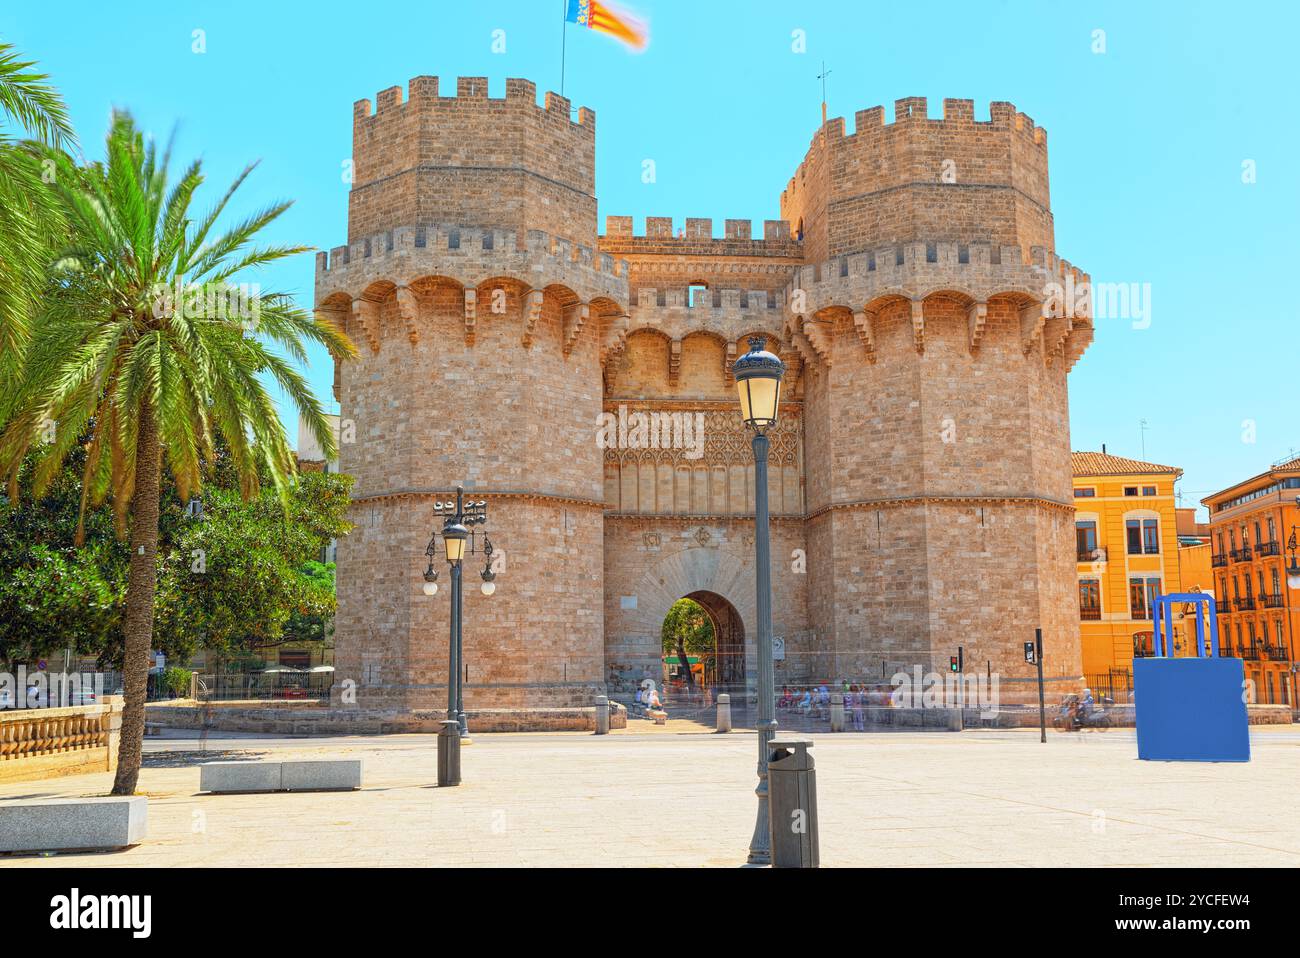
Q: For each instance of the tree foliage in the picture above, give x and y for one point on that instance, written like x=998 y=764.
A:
x=243 y=576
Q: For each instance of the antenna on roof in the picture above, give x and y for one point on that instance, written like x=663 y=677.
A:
x=822 y=76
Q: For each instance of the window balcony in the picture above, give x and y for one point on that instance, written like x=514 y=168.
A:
x=1226 y=652
x=1090 y=555
x=1241 y=555
x=1274 y=601
x=1222 y=606
x=1251 y=653
x=1246 y=605
x=1272 y=548
x=1218 y=562
x=1090 y=615
x=1276 y=653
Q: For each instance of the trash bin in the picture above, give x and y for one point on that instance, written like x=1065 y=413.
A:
x=602 y=715
x=792 y=804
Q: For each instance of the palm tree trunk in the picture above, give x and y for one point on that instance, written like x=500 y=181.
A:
x=142 y=581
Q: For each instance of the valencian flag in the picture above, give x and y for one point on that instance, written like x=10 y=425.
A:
x=608 y=18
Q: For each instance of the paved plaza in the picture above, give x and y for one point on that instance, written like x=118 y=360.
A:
x=681 y=796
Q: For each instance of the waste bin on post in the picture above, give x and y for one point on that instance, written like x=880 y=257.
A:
x=602 y=715
x=792 y=804
x=449 y=753
x=724 y=712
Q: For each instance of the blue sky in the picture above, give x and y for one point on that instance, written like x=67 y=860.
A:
x=1146 y=143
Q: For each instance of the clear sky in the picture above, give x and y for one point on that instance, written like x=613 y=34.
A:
x=1146 y=142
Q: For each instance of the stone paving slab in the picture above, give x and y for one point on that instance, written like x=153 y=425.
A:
x=642 y=798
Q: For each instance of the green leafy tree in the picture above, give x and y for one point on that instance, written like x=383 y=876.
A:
x=31 y=222
x=158 y=377
x=241 y=577
x=687 y=630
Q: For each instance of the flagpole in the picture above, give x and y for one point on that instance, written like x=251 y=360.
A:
x=564 y=36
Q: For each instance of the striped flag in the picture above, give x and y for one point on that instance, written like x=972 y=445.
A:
x=610 y=19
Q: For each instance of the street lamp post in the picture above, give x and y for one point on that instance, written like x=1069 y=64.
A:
x=758 y=381
x=456 y=517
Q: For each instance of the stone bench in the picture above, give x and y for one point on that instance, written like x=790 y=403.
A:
x=73 y=824
x=326 y=775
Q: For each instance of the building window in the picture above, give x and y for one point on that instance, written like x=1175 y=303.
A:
x=1088 y=493
x=1085 y=540
x=1143 y=536
x=1090 y=599
x=1272 y=530
x=1148 y=490
x=1142 y=594
x=1130 y=490
x=1259 y=535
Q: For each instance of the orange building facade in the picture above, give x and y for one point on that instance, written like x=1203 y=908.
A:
x=1127 y=553
x=1259 y=615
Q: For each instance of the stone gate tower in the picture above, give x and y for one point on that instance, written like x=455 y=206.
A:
x=920 y=485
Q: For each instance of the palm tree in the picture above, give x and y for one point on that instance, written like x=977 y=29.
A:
x=137 y=340
x=29 y=218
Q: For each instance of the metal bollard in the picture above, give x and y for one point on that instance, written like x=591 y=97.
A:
x=602 y=715
x=449 y=753
x=724 y=712
x=837 y=711
x=792 y=804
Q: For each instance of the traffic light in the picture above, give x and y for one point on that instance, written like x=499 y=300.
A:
x=952 y=663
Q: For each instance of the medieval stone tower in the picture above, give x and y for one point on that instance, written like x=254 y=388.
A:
x=581 y=384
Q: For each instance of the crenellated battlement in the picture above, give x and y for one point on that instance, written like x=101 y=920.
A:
x=473 y=159
x=470 y=255
x=696 y=228
x=951 y=178
x=423 y=95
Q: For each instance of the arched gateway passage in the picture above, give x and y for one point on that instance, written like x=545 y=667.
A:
x=715 y=662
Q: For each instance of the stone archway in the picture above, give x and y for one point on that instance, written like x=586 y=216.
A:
x=728 y=643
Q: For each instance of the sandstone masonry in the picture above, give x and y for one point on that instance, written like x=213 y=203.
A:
x=920 y=480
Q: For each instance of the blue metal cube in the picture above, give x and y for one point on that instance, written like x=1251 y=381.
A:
x=1190 y=709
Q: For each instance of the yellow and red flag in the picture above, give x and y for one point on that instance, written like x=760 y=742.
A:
x=608 y=18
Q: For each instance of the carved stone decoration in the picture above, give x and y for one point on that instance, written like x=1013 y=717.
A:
x=918 y=325
x=748 y=539
x=703 y=536
x=652 y=540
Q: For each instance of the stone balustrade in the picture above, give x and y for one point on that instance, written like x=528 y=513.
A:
x=48 y=742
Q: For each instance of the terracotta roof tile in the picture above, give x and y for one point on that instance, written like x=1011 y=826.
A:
x=1103 y=464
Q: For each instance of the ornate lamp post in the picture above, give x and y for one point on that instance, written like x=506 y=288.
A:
x=1293 y=570
x=456 y=517
x=758 y=381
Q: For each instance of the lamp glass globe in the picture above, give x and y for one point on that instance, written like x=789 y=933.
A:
x=431 y=588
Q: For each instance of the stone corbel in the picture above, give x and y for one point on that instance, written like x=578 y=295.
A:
x=575 y=317
x=977 y=316
x=1032 y=321
x=1055 y=333
x=367 y=314
x=532 y=313
x=729 y=361
x=818 y=335
x=862 y=322
x=408 y=307
x=918 y=325
x=471 y=314
x=674 y=361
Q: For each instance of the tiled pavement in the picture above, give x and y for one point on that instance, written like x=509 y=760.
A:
x=679 y=795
